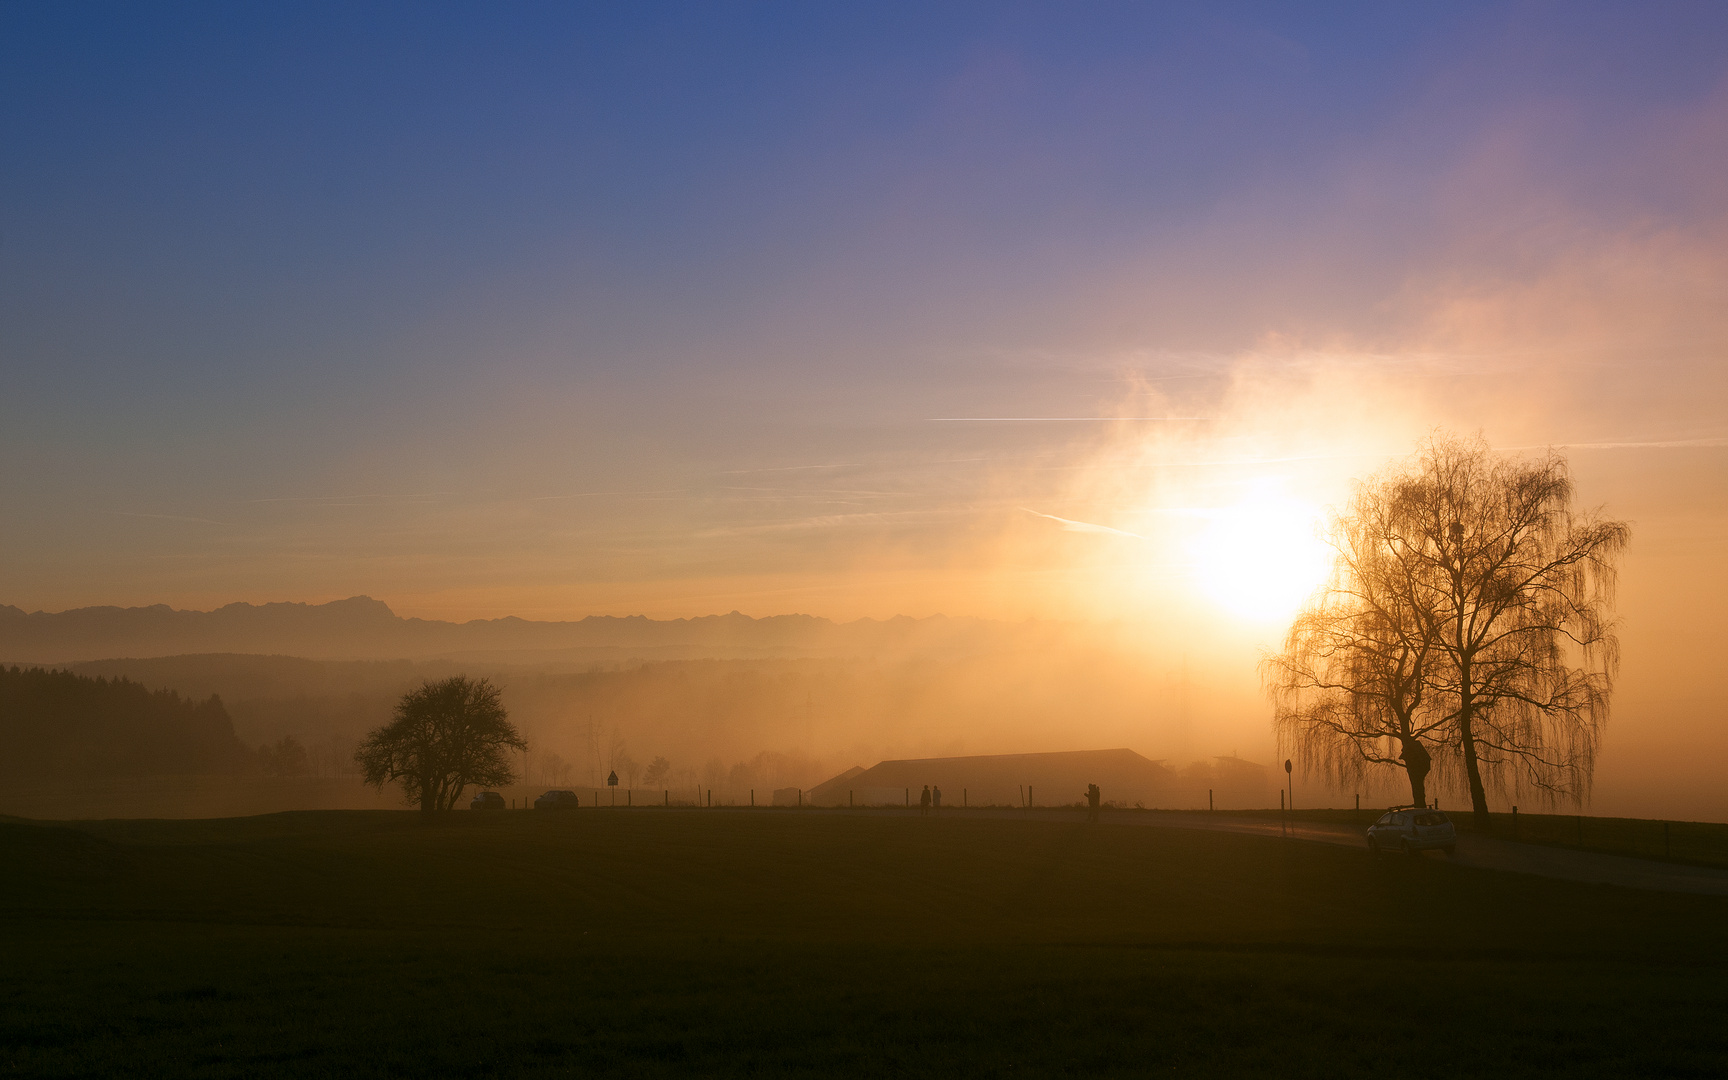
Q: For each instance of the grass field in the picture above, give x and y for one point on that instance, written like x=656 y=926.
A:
x=1694 y=843
x=671 y=943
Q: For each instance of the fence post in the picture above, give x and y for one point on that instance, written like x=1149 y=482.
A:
x=667 y=800
x=752 y=796
x=1514 y=823
x=1208 y=800
x=963 y=802
x=1580 y=830
x=1667 y=851
x=848 y=798
x=908 y=798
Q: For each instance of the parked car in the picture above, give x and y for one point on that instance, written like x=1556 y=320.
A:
x=487 y=800
x=1411 y=830
x=557 y=800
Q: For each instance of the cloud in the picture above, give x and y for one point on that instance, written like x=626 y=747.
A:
x=1069 y=525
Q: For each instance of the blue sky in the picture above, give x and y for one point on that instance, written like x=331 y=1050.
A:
x=304 y=300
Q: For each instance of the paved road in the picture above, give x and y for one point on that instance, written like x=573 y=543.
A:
x=1488 y=853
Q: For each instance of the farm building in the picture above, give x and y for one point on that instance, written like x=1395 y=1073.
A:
x=1056 y=779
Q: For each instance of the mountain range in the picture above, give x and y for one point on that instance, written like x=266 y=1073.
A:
x=361 y=628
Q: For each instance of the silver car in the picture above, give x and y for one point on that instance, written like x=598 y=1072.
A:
x=1412 y=830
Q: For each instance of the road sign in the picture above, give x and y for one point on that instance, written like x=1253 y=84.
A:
x=612 y=781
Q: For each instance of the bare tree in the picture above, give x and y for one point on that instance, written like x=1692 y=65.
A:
x=1521 y=587
x=714 y=774
x=592 y=732
x=617 y=752
x=555 y=770
x=1350 y=688
x=1467 y=619
x=287 y=757
x=445 y=736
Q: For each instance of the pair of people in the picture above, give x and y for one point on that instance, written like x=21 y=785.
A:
x=931 y=798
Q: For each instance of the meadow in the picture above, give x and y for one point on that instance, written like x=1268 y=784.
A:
x=1693 y=843
x=690 y=942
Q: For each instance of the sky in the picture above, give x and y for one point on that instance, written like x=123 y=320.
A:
x=552 y=309
x=542 y=310
x=1024 y=311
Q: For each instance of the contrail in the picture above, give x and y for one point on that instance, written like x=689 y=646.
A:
x=1050 y=419
x=172 y=517
x=357 y=496
x=1667 y=444
x=1070 y=525
x=792 y=468
x=590 y=494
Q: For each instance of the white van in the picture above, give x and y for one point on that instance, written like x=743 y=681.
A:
x=1412 y=830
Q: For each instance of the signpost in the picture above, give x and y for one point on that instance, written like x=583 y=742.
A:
x=612 y=782
x=1289 y=803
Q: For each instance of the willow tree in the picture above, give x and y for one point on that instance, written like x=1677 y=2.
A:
x=1351 y=688
x=1520 y=586
x=445 y=736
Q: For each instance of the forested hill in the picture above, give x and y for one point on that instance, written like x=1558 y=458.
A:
x=57 y=724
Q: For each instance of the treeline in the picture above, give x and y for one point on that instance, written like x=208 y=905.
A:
x=57 y=724
x=814 y=716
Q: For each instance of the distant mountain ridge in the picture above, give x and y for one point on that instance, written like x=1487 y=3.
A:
x=361 y=628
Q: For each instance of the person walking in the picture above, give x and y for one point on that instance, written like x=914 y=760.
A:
x=1092 y=796
x=924 y=800
x=936 y=799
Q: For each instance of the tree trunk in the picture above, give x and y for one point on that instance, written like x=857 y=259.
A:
x=1473 y=770
x=1416 y=764
x=1467 y=733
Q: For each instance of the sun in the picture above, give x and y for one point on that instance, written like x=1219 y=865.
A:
x=1262 y=557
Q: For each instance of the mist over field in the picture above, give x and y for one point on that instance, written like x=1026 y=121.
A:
x=999 y=367
x=732 y=703
x=735 y=703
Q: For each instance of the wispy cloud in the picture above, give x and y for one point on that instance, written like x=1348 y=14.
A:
x=1050 y=419
x=171 y=517
x=354 y=498
x=1070 y=525
x=791 y=468
x=1659 y=444
x=596 y=494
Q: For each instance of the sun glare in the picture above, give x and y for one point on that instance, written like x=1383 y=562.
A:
x=1260 y=558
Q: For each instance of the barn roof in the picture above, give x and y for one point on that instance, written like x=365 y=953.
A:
x=1118 y=768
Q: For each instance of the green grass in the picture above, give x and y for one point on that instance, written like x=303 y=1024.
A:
x=728 y=943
